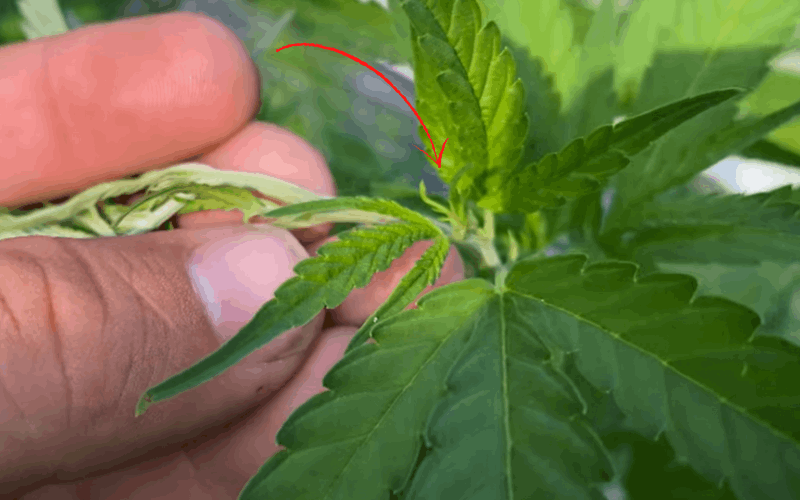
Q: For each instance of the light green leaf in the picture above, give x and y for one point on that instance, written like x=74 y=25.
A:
x=779 y=89
x=322 y=281
x=581 y=166
x=594 y=102
x=41 y=18
x=715 y=43
x=545 y=29
x=690 y=159
x=467 y=89
x=690 y=368
x=467 y=371
x=639 y=42
x=183 y=188
x=345 y=209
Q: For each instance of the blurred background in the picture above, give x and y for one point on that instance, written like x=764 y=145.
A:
x=362 y=127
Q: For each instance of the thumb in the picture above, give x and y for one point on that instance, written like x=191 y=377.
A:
x=87 y=326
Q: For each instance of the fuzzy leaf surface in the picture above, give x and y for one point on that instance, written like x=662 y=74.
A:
x=321 y=281
x=501 y=430
x=467 y=88
x=689 y=368
x=581 y=166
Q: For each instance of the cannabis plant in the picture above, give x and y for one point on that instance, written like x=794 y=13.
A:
x=611 y=304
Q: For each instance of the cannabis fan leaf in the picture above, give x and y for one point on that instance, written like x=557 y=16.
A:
x=727 y=402
x=505 y=402
x=322 y=281
x=676 y=335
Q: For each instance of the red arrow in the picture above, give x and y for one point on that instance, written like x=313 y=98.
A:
x=438 y=160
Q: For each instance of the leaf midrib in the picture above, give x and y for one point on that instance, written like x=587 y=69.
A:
x=666 y=364
x=394 y=401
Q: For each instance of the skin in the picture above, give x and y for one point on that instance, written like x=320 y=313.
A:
x=86 y=326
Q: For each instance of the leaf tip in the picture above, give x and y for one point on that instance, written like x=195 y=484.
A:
x=142 y=405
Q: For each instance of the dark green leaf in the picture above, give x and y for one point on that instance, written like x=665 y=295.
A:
x=728 y=403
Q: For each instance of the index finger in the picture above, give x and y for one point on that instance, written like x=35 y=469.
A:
x=110 y=100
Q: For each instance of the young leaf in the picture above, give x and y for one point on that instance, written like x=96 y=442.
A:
x=322 y=281
x=692 y=369
x=546 y=30
x=581 y=166
x=425 y=272
x=467 y=89
x=516 y=434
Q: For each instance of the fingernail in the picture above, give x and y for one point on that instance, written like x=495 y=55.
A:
x=234 y=276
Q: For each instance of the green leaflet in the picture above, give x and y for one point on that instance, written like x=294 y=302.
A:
x=743 y=248
x=581 y=166
x=465 y=370
x=733 y=229
x=769 y=151
x=638 y=43
x=322 y=281
x=343 y=209
x=715 y=146
x=778 y=89
x=546 y=30
x=467 y=89
x=688 y=368
x=712 y=45
x=179 y=189
x=362 y=436
x=425 y=272
x=547 y=132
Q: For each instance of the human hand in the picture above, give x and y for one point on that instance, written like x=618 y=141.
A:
x=86 y=326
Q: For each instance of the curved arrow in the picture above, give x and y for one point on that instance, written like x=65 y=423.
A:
x=438 y=160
